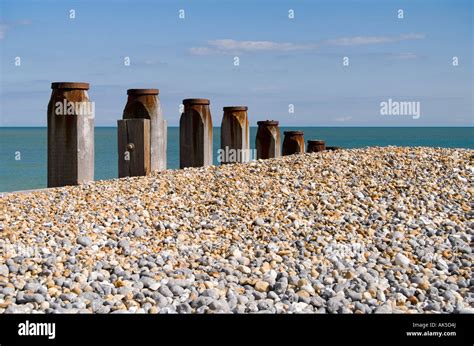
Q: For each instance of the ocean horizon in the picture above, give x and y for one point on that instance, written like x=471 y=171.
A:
x=24 y=149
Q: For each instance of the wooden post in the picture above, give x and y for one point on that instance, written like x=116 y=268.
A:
x=293 y=142
x=70 y=135
x=145 y=104
x=235 y=146
x=133 y=147
x=315 y=146
x=267 y=142
x=195 y=134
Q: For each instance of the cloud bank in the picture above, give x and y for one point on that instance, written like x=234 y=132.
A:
x=230 y=46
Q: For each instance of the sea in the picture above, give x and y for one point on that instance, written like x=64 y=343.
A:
x=23 y=150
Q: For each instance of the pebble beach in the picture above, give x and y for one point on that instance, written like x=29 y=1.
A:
x=373 y=230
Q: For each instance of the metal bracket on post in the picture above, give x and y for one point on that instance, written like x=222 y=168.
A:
x=133 y=147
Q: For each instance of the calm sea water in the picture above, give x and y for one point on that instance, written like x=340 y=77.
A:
x=23 y=151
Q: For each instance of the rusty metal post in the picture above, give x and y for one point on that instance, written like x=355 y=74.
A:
x=70 y=135
x=315 y=146
x=267 y=142
x=145 y=104
x=293 y=142
x=195 y=134
x=133 y=147
x=235 y=145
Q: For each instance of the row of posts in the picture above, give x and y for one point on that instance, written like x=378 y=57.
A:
x=142 y=135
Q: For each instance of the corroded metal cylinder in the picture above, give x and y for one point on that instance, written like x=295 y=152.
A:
x=145 y=104
x=315 y=146
x=235 y=146
x=293 y=142
x=195 y=134
x=268 y=142
x=70 y=135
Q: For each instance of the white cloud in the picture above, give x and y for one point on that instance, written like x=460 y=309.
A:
x=153 y=62
x=4 y=26
x=3 y=30
x=356 y=41
x=404 y=56
x=255 y=45
x=368 y=40
x=229 y=46
x=201 y=51
x=24 y=22
x=412 y=37
x=343 y=119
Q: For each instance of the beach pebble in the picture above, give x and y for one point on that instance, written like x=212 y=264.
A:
x=262 y=286
x=84 y=241
x=370 y=230
x=402 y=260
x=4 y=271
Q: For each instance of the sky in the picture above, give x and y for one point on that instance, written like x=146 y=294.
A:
x=290 y=69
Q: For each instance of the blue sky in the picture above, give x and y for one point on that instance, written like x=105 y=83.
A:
x=282 y=61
